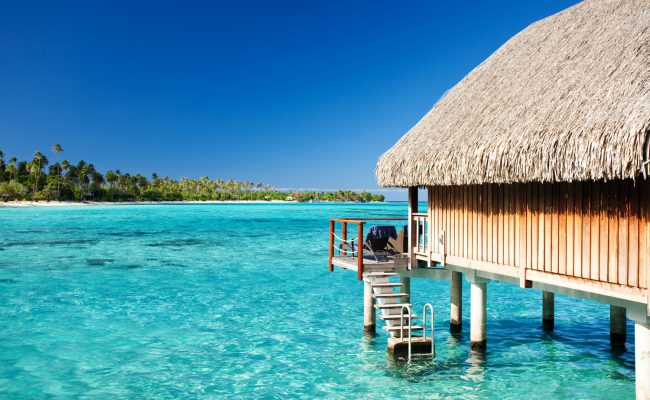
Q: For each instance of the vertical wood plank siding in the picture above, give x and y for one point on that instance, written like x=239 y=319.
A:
x=591 y=230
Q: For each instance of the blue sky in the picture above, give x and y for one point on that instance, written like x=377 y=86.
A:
x=304 y=94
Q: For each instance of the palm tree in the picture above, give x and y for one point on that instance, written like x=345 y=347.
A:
x=36 y=167
x=97 y=180
x=11 y=168
x=90 y=171
x=94 y=180
x=82 y=178
x=2 y=164
x=111 y=178
x=58 y=150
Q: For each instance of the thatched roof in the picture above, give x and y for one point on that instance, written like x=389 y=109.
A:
x=566 y=99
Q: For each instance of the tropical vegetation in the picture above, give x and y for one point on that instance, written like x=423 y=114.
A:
x=38 y=179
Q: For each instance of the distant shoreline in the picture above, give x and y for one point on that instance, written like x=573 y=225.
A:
x=43 y=203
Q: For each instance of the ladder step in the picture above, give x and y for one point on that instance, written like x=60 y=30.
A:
x=388 y=306
x=396 y=317
x=401 y=328
x=389 y=284
x=389 y=295
x=380 y=274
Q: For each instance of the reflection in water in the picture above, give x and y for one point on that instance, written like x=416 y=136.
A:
x=476 y=371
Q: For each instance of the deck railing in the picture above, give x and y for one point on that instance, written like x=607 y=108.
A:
x=350 y=250
x=420 y=228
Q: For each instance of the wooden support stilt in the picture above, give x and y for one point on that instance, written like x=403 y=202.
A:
x=369 y=315
x=478 y=312
x=406 y=281
x=331 y=250
x=456 y=308
x=617 y=328
x=478 y=333
x=642 y=359
x=548 y=310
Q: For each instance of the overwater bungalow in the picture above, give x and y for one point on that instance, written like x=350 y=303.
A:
x=536 y=171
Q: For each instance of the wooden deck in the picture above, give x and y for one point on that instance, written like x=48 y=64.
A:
x=368 y=265
x=348 y=251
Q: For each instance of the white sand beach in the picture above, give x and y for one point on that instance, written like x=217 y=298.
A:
x=24 y=203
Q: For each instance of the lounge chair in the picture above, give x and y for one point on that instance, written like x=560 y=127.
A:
x=400 y=243
x=376 y=246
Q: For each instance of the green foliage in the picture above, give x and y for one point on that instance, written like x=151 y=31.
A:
x=31 y=180
x=12 y=191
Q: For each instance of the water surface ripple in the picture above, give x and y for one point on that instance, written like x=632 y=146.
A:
x=214 y=301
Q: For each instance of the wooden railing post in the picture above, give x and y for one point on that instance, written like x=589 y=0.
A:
x=413 y=228
x=423 y=236
x=345 y=250
x=344 y=236
x=430 y=239
x=331 y=265
x=416 y=224
x=360 y=251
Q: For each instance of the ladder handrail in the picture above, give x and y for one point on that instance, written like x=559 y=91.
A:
x=424 y=327
x=401 y=323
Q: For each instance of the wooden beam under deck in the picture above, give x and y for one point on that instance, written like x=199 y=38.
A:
x=512 y=274
x=581 y=288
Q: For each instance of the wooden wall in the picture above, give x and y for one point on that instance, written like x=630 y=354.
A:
x=593 y=230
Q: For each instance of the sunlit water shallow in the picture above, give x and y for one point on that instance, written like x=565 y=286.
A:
x=214 y=301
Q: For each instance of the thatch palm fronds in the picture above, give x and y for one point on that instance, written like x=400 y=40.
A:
x=566 y=99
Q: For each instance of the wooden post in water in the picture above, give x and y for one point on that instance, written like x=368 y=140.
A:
x=369 y=315
x=331 y=265
x=360 y=251
x=548 y=310
x=456 y=300
x=617 y=329
x=406 y=281
x=344 y=236
x=642 y=359
x=478 y=307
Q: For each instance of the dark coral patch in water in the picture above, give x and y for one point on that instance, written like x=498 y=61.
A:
x=48 y=242
x=254 y=220
x=128 y=266
x=179 y=243
x=98 y=261
x=8 y=280
x=31 y=231
x=131 y=234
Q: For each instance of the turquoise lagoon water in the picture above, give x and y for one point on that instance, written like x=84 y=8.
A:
x=235 y=301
